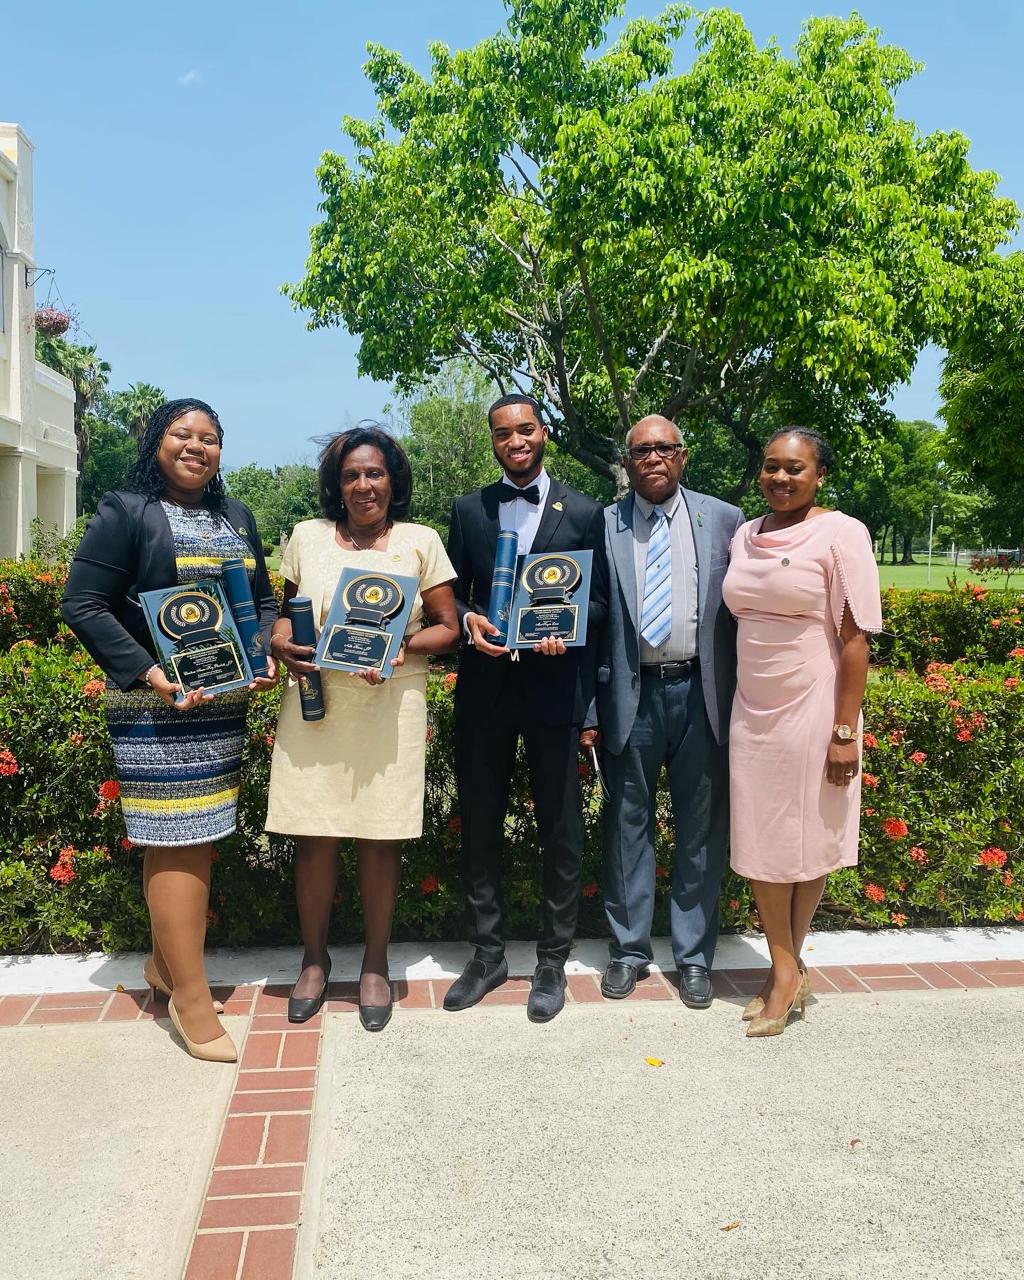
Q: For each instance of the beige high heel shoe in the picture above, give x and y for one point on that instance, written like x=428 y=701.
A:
x=755 y=1008
x=152 y=977
x=762 y=1026
x=220 y=1050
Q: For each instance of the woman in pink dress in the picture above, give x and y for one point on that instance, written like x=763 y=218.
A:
x=803 y=586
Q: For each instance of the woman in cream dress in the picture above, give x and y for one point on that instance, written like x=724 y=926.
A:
x=359 y=772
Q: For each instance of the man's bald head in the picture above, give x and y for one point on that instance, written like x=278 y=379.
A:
x=655 y=420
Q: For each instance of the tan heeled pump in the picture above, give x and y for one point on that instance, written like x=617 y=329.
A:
x=762 y=1026
x=756 y=1007
x=152 y=977
x=220 y=1050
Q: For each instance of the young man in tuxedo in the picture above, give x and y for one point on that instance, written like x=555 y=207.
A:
x=541 y=697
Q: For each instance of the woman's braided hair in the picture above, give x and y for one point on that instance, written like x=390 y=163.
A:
x=146 y=478
x=821 y=446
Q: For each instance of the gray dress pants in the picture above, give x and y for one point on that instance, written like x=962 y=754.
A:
x=671 y=729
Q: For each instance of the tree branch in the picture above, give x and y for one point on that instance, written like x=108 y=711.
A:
x=602 y=341
x=649 y=360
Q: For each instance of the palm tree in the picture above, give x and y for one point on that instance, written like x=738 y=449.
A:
x=134 y=406
x=88 y=375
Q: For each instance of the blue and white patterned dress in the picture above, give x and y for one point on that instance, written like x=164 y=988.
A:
x=179 y=771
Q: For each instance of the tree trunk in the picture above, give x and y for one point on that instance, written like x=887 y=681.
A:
x=895 y=542
x=908 y=557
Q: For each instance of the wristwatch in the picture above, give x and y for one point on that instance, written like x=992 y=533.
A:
x=843 y=732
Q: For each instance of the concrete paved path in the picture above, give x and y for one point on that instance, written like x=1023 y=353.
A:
x=881 y=1138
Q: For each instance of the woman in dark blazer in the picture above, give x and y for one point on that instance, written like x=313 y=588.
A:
x=178 y=763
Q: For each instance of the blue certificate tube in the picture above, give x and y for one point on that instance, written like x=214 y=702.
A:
x=503 y=585
x=311 y=689
x=236 y=587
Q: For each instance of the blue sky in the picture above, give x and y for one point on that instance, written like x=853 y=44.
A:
x=175 y=155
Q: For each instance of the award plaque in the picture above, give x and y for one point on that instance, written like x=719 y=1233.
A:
x=196 y=637
x=552 y=594
x=366 y=622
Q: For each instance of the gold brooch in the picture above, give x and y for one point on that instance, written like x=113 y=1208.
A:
x=556 y=506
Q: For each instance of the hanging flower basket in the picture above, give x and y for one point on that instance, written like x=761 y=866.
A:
x=51 y=322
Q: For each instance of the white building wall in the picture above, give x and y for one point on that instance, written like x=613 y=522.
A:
x=38 y=454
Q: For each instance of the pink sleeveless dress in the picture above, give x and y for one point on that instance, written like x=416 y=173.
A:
x=788 y=591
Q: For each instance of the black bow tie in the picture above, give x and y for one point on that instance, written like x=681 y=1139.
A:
x=508 y=493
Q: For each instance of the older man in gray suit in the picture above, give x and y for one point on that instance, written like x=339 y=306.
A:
x=665 y=683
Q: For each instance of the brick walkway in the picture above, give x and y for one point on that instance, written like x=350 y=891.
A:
x=249 y=1221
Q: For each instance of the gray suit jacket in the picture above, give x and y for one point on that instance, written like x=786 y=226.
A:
x=618 y=674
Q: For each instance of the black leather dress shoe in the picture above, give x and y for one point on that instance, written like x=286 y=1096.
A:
x=695 y=986
x=620 y=978
x=302 y=1008
x=478 y=977
x=375 y=1017
x=547 y=995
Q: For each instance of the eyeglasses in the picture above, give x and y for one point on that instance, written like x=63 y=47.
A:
x=664 y=450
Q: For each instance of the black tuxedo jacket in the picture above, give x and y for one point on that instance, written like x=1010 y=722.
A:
x=559 y=688
x=128 y=547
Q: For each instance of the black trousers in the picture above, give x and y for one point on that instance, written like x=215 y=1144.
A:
x=485 y=754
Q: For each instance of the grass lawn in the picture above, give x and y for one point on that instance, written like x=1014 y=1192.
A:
x=915 y=576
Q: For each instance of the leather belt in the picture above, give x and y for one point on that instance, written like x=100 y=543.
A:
x=667 y=670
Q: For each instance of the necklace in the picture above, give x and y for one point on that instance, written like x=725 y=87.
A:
x=369 y=547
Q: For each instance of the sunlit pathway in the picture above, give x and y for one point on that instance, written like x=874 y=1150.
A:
x=629 y=1139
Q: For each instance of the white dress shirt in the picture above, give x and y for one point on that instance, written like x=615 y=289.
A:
x=522 y=517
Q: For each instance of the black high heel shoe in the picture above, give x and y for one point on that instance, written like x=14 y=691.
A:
x=302 y=1008
x=375 y=1017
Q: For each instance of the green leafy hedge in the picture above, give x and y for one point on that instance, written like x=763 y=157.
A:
x=941 y=841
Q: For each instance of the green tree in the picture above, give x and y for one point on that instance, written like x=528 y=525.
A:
x=443 y=429
x=762 y=233
x=88 y=375
x=982 y=381
x=278 y=498
x=135 y=406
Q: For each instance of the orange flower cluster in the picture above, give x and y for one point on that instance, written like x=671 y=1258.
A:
x=992 y=857
x=870 y=780
x=875 y=892
x=895 y=828
x=590 y=890
x=450 y=680
x=870 y=740
x=917 y=854
x=110 y=790
x=92 y=688
x=8 y=764
x=430 y=884
x=63 y=871
x=919 y=757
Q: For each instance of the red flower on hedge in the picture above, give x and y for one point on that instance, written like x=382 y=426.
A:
x=76 y=739
x=430 y=884
x=1011 y=682
x=125 y=843
x=870 y=740
x=897 y=736
x=583 y=769
x=874 y=892
x=1017 y=653
x=992 y=857
x=63 y=871
x=895 y=828
x=450 y=680
x=589 y=890
x=870 y=780
x=92 y=688
x=917 y=854
x=8 y=764
x=110 y=789
x=455 y=823
x=870 y=813
x=661 y=872
x=1007 y=878
x=898 y=919
x=919 y=757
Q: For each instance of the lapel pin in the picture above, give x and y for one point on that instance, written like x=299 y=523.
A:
x=556 y=506
x=700 y=519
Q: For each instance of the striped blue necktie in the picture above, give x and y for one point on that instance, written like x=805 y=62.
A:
x=656 y=614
